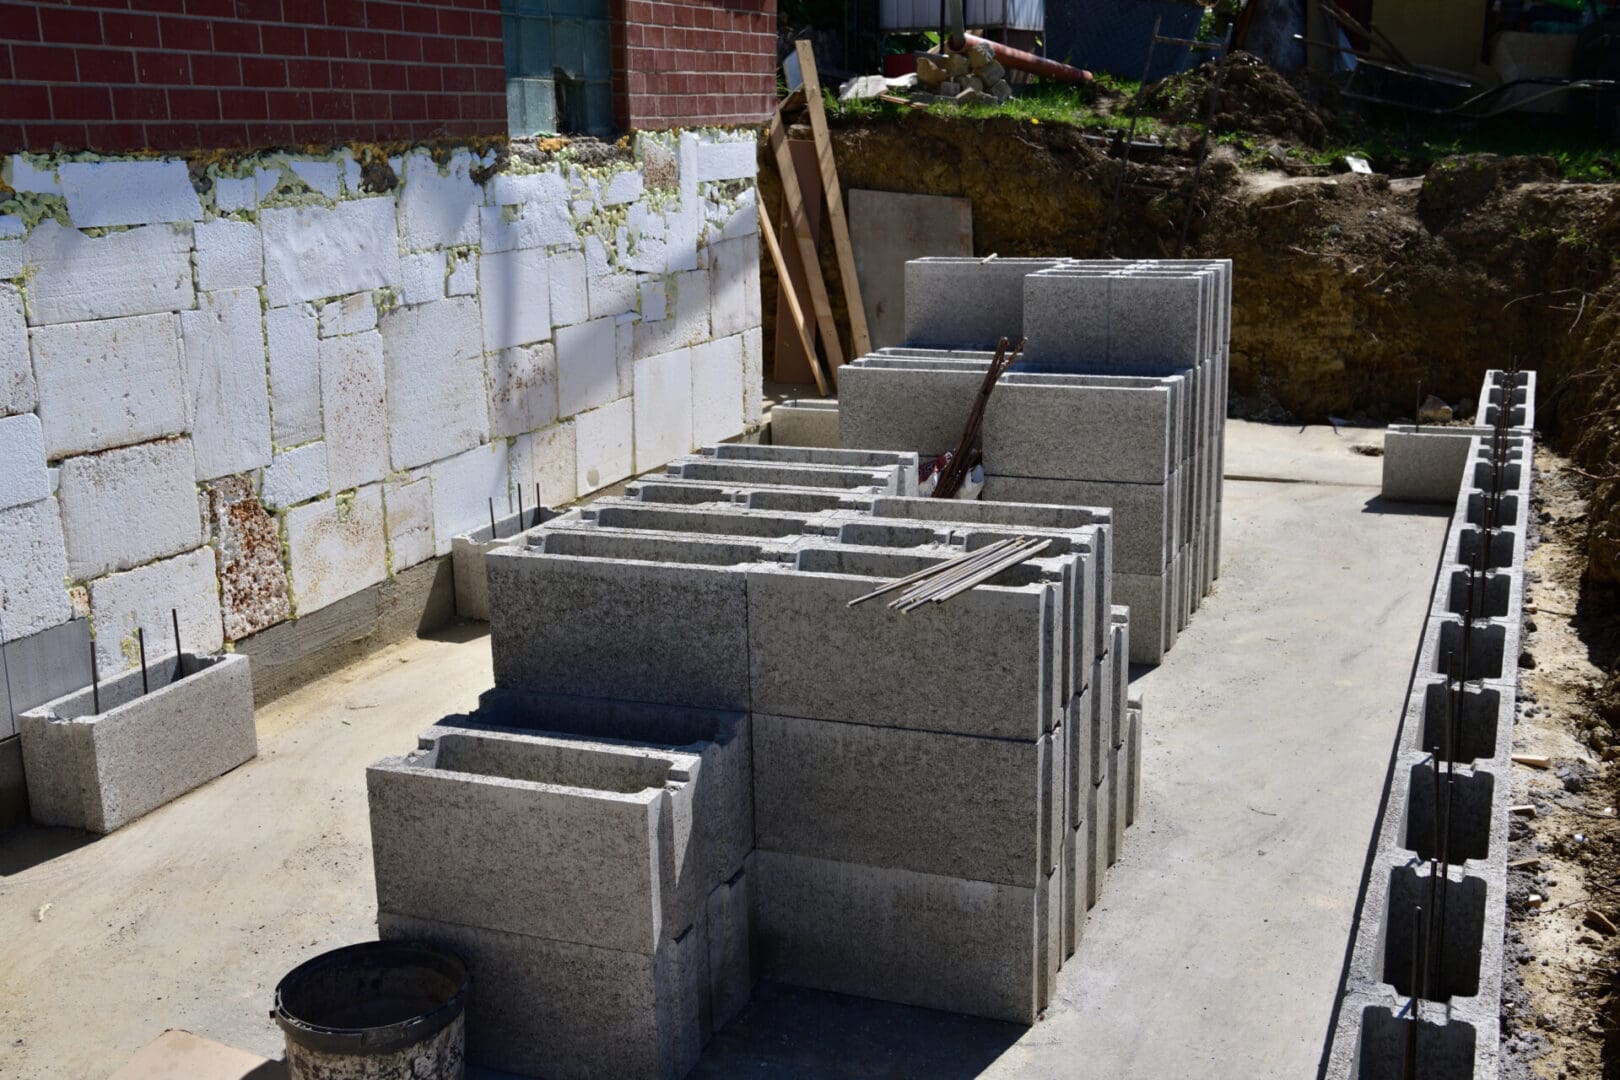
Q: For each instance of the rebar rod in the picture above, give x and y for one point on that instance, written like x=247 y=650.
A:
x=900 y=583
x=140 y=644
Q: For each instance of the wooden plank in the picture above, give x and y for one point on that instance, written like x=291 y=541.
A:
x=806 y=244
x=860 y=341
x=789 y=362
x=784 y=285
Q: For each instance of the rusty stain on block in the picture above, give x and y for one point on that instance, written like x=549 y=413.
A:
x=247 y=543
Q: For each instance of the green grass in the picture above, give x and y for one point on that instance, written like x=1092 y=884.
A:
x=1042 y=103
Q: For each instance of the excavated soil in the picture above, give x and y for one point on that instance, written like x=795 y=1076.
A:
x=1255 y=99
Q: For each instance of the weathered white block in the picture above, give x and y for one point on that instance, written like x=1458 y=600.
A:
x=740 y=217
x=296 y=476
x=408 y=510
x=75 y=277
x=23 y=476
x=587 y=366
x=108 y=383
x=149 y=597
x=597 y=262
x=323 y=177
x=437 y=405
x=424 y=277
x=438 y=208
x=312 y=252
x=354 y=406
x=569 y=301
x=734 y=280
x=732 y=160
x=17 y=393
x=335 y=548
x=613 y=294
x=654 y=301
x=233 y=194
x=604 y=441
x=33 y=567
x=462 y=489
x=354 y=178
x=753 y=376
x=295 y=374
x=663 y=408
x=687 y=320
x=124 y=507
x=24 y=176
x=545 y=186
x=717 y=390
x=543 y=465
x=128 y=192
x=622 y=187
x=516 y=297
x=532 y=225
x=11 y=258
x=351 y=315
x=230 y=255
x=522 y=388
x=463 y=277
x=227 y=396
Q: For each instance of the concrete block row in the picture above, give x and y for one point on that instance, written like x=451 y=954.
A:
x=805 y=422
x=1425 y=970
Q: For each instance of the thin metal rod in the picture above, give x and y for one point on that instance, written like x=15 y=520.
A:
x=939 y=594
x=1130 y=137
x=95 y=681
x=900 y=583
x=140 y=643
x=1410 y=1069
x=179 y=656
x=492 y=533
x=521 y=524
x=952 y=574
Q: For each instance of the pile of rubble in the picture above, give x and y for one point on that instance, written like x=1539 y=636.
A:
x=972 y=75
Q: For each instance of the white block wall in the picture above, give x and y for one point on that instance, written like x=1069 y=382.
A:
x=375 y=367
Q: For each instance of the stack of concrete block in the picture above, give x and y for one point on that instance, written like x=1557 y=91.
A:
x=157 y=734
x=804 y=422
x=1425 y=973
x=869 y=869
x=1423 y=462
x=1119 y=402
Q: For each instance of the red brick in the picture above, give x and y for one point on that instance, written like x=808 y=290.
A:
x=269 y=134
x=346 y=13
x=471 y=51
x=123 y=28
x=107 y=65
x=227 y=133
x=486 y=25
x=268 y=11
x=455 y=23
x=237 y=37
x=425 y=78
x=81 y=102
x=260 y=71
x=48 y=136
x=309 y=74
x=243 y=105
x=325 y=41
x=421 y=19
x=491 y=81
x=351 y=75
x=192 y=35
x=43 y=63
x=117 y=138
x=21 y=21
x=371 y=106
x=443 y=107
x=211 y=9
x=410 y=106
x=194 y=104
x=27 y=101
x=383 y=16
x=215 y=70
x=403 y=47
x=367 y=45
x=458 y=78
x=438 y=50
x=288 y=104
x=307 y=12
x=332 y=105
x=70 y=25
x=140 y=103
x=389 y=76
x=282 y=40
x=13 y=137
x=163 y=68
x=173 y=136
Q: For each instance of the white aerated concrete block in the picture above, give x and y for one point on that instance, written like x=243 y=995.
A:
x=295 y=374
x=754 y=377
x=622 y=187
x=135 y=272
x=686 y=320
x=33 y=567
x=543 y=465
x=128 y=192
x=225 y=365
x=323 y=177
x=230 y=255
x=423 y=275
x=312 y=252
x=463 y=277
x=11 y=253
x=611 y=295
x=351 y=315
x=108 y=383
x=717 y=390
x=516 y=189
x=124 y=507
x=144 y=598
x=605 y=441
x=437 y=404
x=232 y=194
x=23 y=477
x=587 y=366
x=408 y=507
x=296 y=476
x=354 y=409
x=570 y=301
x=438 y=208
x=516 y=297
x=22 y=174
x=335 y=547
x=732 y=160
x=522 y=388
x=734 y=281
x=17 y=393
x=462 y=489
x=663 y=408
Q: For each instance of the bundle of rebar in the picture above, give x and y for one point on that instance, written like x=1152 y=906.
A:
x=965 y=458
x=952 y=577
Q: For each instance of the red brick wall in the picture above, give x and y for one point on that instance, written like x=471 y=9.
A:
x=172 y=74
x=687 y=62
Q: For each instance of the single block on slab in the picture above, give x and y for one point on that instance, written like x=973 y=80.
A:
x=967 y=302
x=805 y=422
x=467 y=553
x=101 y=770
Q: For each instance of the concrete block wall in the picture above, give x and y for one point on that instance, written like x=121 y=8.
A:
x=249 y=390
x=1423 y=463
x=1425 y=970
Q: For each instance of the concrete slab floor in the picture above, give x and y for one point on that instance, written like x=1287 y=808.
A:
x=1215 y=950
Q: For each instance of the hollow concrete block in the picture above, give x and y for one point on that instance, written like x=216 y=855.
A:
x=467 y=553
x=805 y=422
x=1099 y=827
x=936 y=289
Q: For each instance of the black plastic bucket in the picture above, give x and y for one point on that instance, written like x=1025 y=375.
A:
x=377 y=1009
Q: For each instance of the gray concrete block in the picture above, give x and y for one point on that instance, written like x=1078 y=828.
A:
x=1086 y=762
x=556 y=838
x=99 y=771
x=1148 y=598
x=467 y=553
x=1079 y=433
x=13 y=787
x=1145 y=528
x=879 y=796
x=1119 y=653
x=1077 y=888
x=1119 y=767
x=1134 y=744
x=967 y=302
x=571 y=617
x=1098 y=827
x=1117 y=320
x=885 y=480
x=770 y=453
x=800 y=630
x=728 y=921
x=804 y=422
x=548 y=1008
x=896 y=935
x=1424 y=464
x=904 y=409
x=1374 y=1033
x=43 y=667
x=1103 y=673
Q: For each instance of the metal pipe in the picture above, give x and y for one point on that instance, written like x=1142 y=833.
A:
x=1019 y=60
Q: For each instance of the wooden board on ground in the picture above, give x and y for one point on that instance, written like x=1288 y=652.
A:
x=831 y=350
x=789 y=363
x=180 y=1055
x=888 y=228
